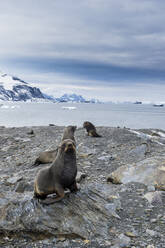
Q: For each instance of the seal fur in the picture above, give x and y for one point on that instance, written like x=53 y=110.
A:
x=46 y=157
x=59 y=176
x=69 y=133
x=90 y=128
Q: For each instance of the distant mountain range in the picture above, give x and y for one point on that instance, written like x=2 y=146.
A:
x=15 y=89
x=75 y=98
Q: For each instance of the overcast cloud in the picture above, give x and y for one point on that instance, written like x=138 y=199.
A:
x=104 y=48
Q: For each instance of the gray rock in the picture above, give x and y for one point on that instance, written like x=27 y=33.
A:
x=23 y=186
x=80 y=176
x=106 y=158
x=150 y=246
x=154 y=197
x=122 y=241
x=66 y=215
x=13 y=180
x=152 y=233
x=151 y=188
x=149 y=171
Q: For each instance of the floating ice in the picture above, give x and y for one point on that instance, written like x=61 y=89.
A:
x=70 y=108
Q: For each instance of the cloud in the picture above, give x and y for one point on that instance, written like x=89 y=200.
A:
x=122 y=33
x=91 y=42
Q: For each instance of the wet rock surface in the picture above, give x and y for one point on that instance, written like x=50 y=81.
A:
x=121 y=201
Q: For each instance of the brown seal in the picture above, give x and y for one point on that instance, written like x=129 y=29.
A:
x=91 y=130
x=59 y=176
x=49 y=156
x=69 y=133
x=46 y=157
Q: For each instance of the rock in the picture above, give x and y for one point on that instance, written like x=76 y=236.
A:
x=114 y=179
x=22 y=139
x=150 y=246
x=153 y=220
x=122 y=241
x=85 y=151
x=84 y=155
x=149 y=171
x=154 y=197
x=106 y=158
x=155 y=134
x=23 y=186
x=65 y=217
x=152 y=233
x=139 y=151
x=13 y=180
x=130 y=234
x=31 y=132
x=151 y=188
x=80 y=176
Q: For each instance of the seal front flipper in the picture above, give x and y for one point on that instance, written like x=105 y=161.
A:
x=73 y=188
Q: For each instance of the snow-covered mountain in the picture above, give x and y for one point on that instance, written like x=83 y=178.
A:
x=71 y=98
x=75 y=98
x=15 y=89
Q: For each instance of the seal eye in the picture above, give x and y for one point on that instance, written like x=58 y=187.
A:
x=63 y=146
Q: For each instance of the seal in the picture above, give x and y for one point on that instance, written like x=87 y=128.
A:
x=59 y=176
x=69 y=133
x=49 y=156
x=46 y=157
x=91 y=130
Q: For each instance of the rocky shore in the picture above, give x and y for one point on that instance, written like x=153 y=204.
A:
x=121 y=201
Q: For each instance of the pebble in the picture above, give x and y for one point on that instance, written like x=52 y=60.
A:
x=151 y=188
x=13 y=180
x=153 y=220
x=80 y=176
x=106 y=158
x=150 y=246
x=122 y=241
x=46 y=242
x=151 y=233
x=131 y=234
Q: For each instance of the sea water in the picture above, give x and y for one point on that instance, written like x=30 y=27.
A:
x=16 y=114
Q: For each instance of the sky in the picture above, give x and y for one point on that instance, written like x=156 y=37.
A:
x=104 y=49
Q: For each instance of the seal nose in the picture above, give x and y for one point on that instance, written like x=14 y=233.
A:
x=70 y=145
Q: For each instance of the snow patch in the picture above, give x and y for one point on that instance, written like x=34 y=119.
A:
x=7 y=82
x=70 y=108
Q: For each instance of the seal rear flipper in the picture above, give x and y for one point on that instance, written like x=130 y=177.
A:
x=51 y=200
x=93 y=133
x=36 y=163
x=98 y=136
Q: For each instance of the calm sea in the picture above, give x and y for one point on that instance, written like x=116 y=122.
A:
x=37 y=114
